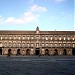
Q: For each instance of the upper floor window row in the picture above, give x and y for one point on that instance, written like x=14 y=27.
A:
x=46 y=37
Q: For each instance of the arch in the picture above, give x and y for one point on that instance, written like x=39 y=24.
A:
x=55 y=52
x=37 y=51
x=64 y=52
x=27 y=52
x=9 y=51
x=73 y=51
x=0 y=51
x=18 y=52
x=46 y=52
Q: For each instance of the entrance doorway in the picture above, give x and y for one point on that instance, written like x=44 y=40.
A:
x=0 y=51
x=55 y=52
x=37 y=51
x=46 y=52
x=18 y=52
x=73 y=51
x=64 y=52
x=27 y=52
x=9 y=51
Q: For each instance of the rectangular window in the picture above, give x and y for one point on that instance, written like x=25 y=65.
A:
x=51 y=38
x=42 y=44
x=31 y=37
x=42 y=37
x=31 y=44
x=55 y=37
x=37 y=45
x=46 y=37
x=60 y=38
x=68 y=37
x=64 y=38
x=73 y=38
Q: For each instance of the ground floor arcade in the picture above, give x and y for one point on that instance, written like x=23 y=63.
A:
x=37 y=51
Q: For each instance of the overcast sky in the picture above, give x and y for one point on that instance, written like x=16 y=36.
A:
x=28 y=14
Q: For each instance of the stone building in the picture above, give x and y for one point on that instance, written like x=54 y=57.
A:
x=37 y=42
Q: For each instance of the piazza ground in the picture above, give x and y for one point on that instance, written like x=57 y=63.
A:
x=35 y=65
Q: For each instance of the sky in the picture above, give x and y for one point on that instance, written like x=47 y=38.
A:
x=48 y=15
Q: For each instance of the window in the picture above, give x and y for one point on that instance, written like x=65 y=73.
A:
x=60 y=45
x=1 y=38
x=37 y=37
x=46 y=44
x=73 y=38
x=64 y=45
x=23 y=37
x=68 y=38
x=42 y=37
x=19 y=44
x=14 y=37
x=42 y=44
x=73 y=45
x=55 y=37
x=64 y=38
x=55 y=45
x=28 y=44
x=28 y=37
x=37 y=45
x=23 y=45
x=31 y=44
x=10 y=44
x=5 y=44
x=46 y=37
x=10 y=36
x=60 y=38
x=51 y=45
x=51 y=38
x=69 y=45
x=19 y=37
x=14 y=45
x=31 y=37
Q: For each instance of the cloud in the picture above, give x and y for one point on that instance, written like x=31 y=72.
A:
x=36 y=8
x=27 y=17
x=31 y=15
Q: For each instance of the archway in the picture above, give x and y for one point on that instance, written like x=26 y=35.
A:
x=27 y=52
x=46 y=52
x=0 y=51
x=73 y=51
x=18 y=52
x=64 y=52
x=37 y=51
x=55 y=52
x=9 y=51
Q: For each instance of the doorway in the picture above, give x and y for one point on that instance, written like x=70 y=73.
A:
x=9 y=51
x=73 y=51
x=37 y=51
x=18 y=52
x=64 y=52
x=46 y=52
x=27 y=52
x=0 y=51
x=55 y=52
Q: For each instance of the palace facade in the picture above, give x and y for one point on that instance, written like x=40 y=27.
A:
x=37 y=42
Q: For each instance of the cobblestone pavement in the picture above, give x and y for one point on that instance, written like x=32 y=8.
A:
x=35 y=65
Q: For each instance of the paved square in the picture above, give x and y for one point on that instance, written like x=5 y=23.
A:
x=35 y=65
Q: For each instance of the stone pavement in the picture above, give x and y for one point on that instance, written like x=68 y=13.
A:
x=35 y=65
